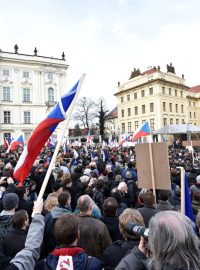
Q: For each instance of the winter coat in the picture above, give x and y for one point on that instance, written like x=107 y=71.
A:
x=5 y=225
x=147 y=212
x=94 y=235
x=112 y=224
x=114 y=253
x=14 y=242
x=164 y=205
x=80 y=259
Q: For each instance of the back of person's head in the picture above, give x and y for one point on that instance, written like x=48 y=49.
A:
x=148 y=198
x=19 y=219
x=110 y=206
x=21 y=191
x=115 y=193
x=66 y=229
x=130 y=165
x=128 y=175
x=100 y=184
x=118 y=178
x=172 y=241
x=57 y=187
x=85 y=203
x=198 y=179
x=10 y=201
x=129 y=216
x=164 y=195
x=51 y=203
x=64 y=198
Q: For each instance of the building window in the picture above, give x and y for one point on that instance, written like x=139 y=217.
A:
x=27 y=135
x=129 y=127
x=194 y=114
x=183 y=121
x=50 y=76
x=136 y=110
x=129 y=111
x=176 y=108
x=175 y=92
x=122 y=99
x=177 y=121
x=6 y=93
x=170 y=107
x=182 y=109
x=181 y=93
x=164 y=121
x=170 y=91
x=136 y=125
x=171 y=121
x=27 y=117
x=26 y=95
x=7 y=136
x=164 y=106
x=152 y=124
x=128 y=97
x=142 y=93
x=190 y=115
x=193 y=104
x=26 y=74
x=122 y=113
x=151 y=107
x=143 y=109
x=163 y=90
x=51 y=94
x=151 y=91
x=6 y=117
x=143 y=121
x=135 y=95
x=189 y=103
x=123 y=127
x=6 y=72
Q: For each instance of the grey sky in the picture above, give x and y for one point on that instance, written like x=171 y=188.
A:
x=106 y=39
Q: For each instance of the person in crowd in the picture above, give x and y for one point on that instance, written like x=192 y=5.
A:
x=67 y=235
x=50 y=204
x=57 y=189
x=131 y=170
x=196 y=187
x=113 y=254
x=148 y=210
x=99 y=196
x=131 y=189
x=24 y=204
x=171 y=247
x=26 y=259
x=64 y=200
x=94 y=235
x=196 y=202
x=164 y=203
x=116 y=193
x=14 y=241
x=110 y=218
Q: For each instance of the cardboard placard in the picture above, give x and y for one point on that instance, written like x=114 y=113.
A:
x=191 y=143
x=161 y=169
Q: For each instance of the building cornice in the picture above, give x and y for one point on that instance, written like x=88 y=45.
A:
x=149 y=83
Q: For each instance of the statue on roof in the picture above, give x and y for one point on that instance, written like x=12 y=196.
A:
x=135 y=73
x=170 y=68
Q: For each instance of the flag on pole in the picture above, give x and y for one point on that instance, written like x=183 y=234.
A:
x=15 y=143
x=125 y=139
x=42 y=132
x=143 y=130
x=6 y=143
x=89 y=137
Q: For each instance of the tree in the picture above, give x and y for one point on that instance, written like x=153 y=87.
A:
x=85 y=111
x=102 y=117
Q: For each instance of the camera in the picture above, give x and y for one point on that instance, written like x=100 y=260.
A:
x=137 y=230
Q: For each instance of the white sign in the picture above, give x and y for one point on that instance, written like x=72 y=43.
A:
x=65 y=263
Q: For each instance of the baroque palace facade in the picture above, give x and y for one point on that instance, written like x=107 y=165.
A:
x=30 y=85
x=157 y=97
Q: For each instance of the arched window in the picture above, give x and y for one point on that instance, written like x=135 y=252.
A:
x=51 y=94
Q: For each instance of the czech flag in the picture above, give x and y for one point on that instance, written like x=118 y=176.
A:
x=14 y=144
x=143 y=130
x=42 y=132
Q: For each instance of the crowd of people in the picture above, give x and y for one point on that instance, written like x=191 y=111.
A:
x=90 y=202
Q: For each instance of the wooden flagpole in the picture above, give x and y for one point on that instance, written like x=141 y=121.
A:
x=152 y=168
x=46 y=179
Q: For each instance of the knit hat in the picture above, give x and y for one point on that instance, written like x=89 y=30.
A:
x=10 y=201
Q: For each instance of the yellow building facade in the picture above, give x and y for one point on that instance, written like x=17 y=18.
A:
x=157 y=97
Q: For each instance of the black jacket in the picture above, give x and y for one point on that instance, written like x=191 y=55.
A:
x=112 y=224
x=147 y=212
x=113 y=254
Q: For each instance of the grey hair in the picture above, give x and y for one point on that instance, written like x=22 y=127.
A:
x=173 y=242
x=84 y=202
x=198 y=220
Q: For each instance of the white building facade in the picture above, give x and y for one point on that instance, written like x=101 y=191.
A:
x=30 y=85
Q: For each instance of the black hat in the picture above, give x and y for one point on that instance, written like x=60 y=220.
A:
x=10 y=201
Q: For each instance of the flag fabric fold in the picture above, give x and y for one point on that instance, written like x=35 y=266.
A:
x=41 y=134
x=143 y=130
x=188 y=203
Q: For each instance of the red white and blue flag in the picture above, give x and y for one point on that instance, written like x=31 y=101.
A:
x=15 y=143
x=143 y=130
x=42 y=132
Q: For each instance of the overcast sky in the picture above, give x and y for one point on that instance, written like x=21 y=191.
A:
x=106 y=39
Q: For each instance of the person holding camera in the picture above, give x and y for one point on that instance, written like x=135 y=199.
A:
x=172 y=243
